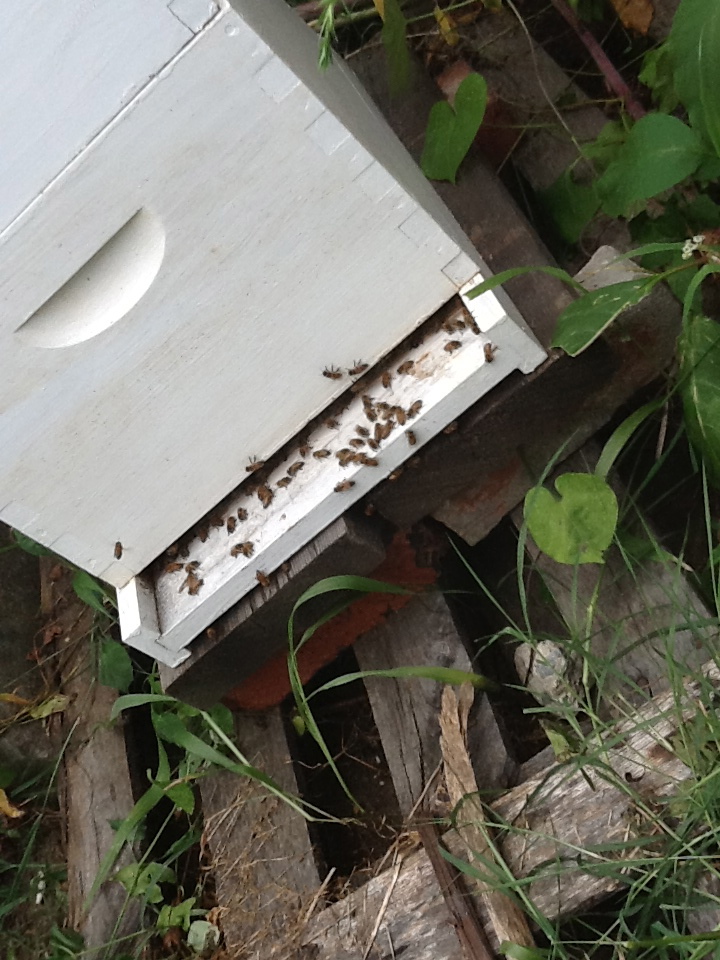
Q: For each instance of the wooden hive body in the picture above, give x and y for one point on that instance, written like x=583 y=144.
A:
x=198 y=222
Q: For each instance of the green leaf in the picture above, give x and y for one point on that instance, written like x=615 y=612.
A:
x=394 y=41
x=131 y=700
x=578 y=526
x=203 y=936
x=582 y=321
x=660 y=151
x=182 y=796
x=142 y=880
x=606 y=146
x=54 y=704
x=115 y=668
x=176 y=916
x=694 y=45
x=515 y=951
x=657 y=73
x=439 y=674
x=451 y=130
x=571 y=205
x=621 y=435
x=89 y=590
x=499 y=278
x=29 y=546
x=700 y=388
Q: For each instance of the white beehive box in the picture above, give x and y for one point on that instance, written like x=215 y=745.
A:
x=194 y=223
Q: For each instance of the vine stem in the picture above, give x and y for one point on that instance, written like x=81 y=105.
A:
x=612 y=76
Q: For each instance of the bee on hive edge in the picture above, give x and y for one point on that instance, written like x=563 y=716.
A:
x=386 y=379
x=304 y=449
x=489 y=350
x=332 y=373
x=254 y=465
x=231 y=524
x=263 y=579
x=400 y=415
x=414 y=409
x=321 y=454
x=295 y=468
x=344 y=485
x=173 y=567
x=284 y=482
x=411 y=438
x=242 y=513
x=452 y=345
x=265 y=496
x=245 y=549
x=118 y=552
x=358 y=368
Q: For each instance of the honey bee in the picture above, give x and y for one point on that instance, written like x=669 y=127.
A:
x=217 y=520
x=321 y=454
x=202 y=533
x=231 y=524
x=344 y=456
x=332 y=373
x=370 y=414
x=367 y=400
x=304 y=449
x=395 y=474
x=118 y=552
x=356 y=442
x=473 y=325
x=386 y=379
x=285 y=568
x=411 y=438
x=452 y=324
x=242 y=514
x=357 y=369
x=344 y=485
x=173 y=550
x=284 y=481
x=254 y=465
x=451 y=427
x=373 y=444
x=245 y=549
x=211 y=634
x=263 y=579
x=414 y=409
x=173 y=567
x=370 y=509
x=265 y=496
x=407 y=367
x=489 y=350
x=295 y=468
x=452 y=345
x=362 y=431
x=192 y=582
x=367 y=461
x=400 y=416
x=331 y=423
x=383 y=430
x=192 y=566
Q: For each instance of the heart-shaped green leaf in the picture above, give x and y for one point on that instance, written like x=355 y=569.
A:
x=451 y=130
x=694 y=47
x=582 y=321
x=579 y=526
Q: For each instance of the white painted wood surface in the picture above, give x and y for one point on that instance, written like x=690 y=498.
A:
x=283 y=229
x=67 y=69
x=162 y=618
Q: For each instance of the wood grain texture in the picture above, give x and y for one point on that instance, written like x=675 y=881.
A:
x=505 y=919
x=567 y=811
x=95 y=785
x=256 y=628
x=415 y=922
x=407 y=711
x=261 y=852
x=153 y=421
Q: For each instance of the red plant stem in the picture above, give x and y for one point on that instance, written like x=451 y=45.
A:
x=614 y=81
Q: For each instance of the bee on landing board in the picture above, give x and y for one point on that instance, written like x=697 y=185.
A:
x=386 y=379
x=265 y=496
x=284 y=482
x=452 y=345
x=231 y=524
x=411 y=438
x=254 y=465
x=321 y=454
x=173 y=567
x=263 y=579
x=414 y=409
x=295 y=468
x=407 y=367
x=344 y=485
x=242 y=514
x=118 y=552
x=332 y=373
x=243 y=549
x=358 y=368
x=489 y=350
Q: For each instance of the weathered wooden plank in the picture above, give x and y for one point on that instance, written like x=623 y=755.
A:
x=256 y=628
x=557 y=814
x=95 y=784
x=413 y=920
x=643 y=617
x=407 y=711
x=262 y=857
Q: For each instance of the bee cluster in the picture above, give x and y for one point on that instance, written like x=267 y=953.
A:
x=349 y=439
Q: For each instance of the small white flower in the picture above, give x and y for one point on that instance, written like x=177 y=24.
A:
x=690 y=246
